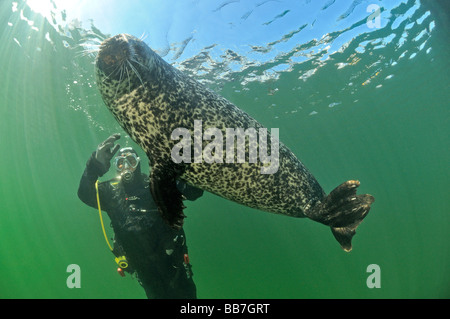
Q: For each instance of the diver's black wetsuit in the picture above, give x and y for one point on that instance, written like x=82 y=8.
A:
x=155 y=251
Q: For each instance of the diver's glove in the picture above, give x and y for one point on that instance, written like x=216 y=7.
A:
x=105 y=152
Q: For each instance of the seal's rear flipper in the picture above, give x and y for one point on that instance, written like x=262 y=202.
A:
x=167 y=196
x=344 y=236
x=343 y=211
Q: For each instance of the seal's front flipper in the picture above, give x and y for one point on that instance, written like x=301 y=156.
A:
x=343 y=211
x=167 y=196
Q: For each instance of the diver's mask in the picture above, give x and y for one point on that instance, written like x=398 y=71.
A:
x=126 y=163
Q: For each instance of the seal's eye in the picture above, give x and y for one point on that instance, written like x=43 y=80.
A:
x=109 y=60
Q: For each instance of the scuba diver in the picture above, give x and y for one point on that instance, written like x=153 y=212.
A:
x=143 y=243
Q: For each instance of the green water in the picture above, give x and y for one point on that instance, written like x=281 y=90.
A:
x=376 y=109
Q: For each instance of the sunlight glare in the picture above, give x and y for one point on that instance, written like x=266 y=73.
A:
x=45 y=7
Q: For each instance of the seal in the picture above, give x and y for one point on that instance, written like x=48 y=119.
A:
x=150 y=99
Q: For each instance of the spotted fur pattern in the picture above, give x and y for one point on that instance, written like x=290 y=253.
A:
x=150 y=98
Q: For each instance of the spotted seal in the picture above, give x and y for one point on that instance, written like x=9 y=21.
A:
x=150 y=99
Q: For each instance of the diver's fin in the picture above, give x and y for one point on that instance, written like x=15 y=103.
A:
x=166 y=195
x=343 y=211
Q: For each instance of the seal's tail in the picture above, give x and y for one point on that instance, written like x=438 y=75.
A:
x=343 y=211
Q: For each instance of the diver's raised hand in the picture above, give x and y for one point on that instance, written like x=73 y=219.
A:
x=106 y=150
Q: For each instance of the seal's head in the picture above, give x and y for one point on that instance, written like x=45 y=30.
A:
x=122 y=65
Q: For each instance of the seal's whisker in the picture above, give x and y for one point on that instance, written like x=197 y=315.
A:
x=113 y=72
x=120 y=79
x=137 y=62
x=87 y=49
x=96 y=50
x=97 y=40
x=90 y=45
x=143 y=36
x=129 y=79
x=118 y=86
x=136 y=72
x=85 y=52
x=92 y=53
